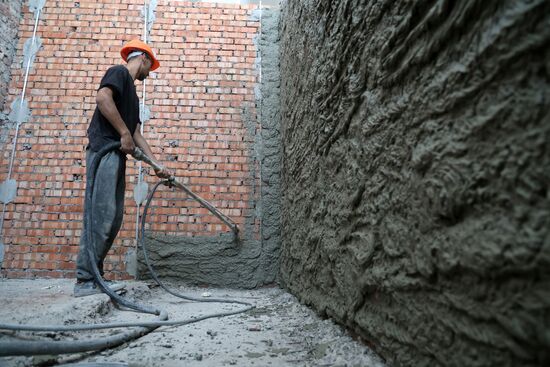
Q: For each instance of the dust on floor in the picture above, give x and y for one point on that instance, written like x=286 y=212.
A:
x=278 y=332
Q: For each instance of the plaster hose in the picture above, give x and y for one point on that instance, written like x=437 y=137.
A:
x=150 y=267
x=62 y=347
x=139 y=155
x=94 y=165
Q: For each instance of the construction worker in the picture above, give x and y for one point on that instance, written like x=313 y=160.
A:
x=116 y=118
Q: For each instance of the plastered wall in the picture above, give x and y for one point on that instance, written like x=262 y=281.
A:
x=416 y=170
x=10 y=14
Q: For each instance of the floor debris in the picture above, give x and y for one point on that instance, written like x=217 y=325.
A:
x=278 y=332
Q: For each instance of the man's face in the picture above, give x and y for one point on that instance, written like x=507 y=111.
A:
x=145 y=67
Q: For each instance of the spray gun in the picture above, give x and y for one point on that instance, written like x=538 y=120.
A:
x=139 y=155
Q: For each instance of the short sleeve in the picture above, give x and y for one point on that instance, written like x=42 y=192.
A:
x=114 y=79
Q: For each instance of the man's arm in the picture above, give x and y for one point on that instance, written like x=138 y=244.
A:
x=142 y=144
x=107 y=107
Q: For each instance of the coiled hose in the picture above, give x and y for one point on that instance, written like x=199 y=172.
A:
x=28 y=348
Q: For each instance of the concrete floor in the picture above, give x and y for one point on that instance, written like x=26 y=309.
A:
x=278 y=332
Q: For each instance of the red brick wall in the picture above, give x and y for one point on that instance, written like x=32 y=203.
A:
x=202 y=126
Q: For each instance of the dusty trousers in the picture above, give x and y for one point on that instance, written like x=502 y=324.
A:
x=107 y=208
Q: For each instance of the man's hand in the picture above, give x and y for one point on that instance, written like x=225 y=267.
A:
x=127 y=143
x=164 y=173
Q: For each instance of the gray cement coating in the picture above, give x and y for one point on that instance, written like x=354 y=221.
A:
x=416 y=170
x=36 y=5
x=258 y=2
x=279 y=332
x=10 y=16
x=20 y=112
x=216 y=261
x=150 y=16
x=251 y=261
x=270 y=157
x=30 y=49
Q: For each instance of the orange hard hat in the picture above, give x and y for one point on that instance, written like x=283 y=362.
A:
x=137 y=45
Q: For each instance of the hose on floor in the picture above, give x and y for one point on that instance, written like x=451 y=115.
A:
x=28 y=348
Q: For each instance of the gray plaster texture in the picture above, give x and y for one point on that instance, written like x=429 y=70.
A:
x=270 y=153
x=278 y=332
x=258 y=2
x=416 y=171
x=10 y=16
x=249 y=261
x=36 y=5
x=30 y=49
x=150 y=16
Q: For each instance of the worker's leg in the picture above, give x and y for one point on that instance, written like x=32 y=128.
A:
x=119 y=212
x=107 y=208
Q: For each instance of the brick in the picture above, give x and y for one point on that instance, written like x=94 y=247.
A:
x=197 y=99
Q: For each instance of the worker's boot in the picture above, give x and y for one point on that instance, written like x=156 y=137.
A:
x=88 y=287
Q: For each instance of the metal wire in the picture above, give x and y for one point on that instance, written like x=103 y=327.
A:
x=18 y=123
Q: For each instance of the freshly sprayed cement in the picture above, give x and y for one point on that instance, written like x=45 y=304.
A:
x=416 y=171
x=270 y=120
x=215 y=261
x=278 y=332
x=36 y=5
x=10 y=16
x=30 y=49
x=253 y=260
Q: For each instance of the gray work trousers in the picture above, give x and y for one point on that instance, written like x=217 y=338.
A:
x=107 y=208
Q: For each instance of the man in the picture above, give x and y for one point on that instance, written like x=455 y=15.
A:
x=116 y=118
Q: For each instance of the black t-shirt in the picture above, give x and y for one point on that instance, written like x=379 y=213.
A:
x=119 y=80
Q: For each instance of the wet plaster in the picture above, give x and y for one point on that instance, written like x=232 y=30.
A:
x=10 y=16
x=270 y=153
x=416 y=170
x=252 y=260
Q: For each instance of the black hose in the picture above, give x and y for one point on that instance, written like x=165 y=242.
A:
x=91 y=249
x=63 y=347
x=150 y=267
x=114 y=325
x=72 y=346
x=29 y=348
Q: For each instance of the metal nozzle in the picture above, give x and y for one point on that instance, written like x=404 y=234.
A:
x=140 y=156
